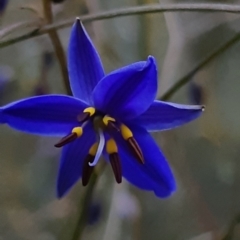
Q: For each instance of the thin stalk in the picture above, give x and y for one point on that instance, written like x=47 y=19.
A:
x=58 y=48
x=230 y=233
x=145 y=9
x=85 y=204
x=20 y=25
x=184 y=80
x=84 y=209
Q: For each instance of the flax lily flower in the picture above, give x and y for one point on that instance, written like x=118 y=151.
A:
x=108 y=114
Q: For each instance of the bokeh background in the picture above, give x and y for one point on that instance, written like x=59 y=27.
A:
x=204 y=154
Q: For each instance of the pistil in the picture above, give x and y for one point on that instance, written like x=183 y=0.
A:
x=99 y=149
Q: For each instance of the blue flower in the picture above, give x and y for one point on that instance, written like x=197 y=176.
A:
x=108 y=114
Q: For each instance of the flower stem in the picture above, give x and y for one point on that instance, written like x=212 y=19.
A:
x=230 y=233
x=19 y=25
x=185 y=79
x=145 y=9
x=85 y=204
x=58 y=48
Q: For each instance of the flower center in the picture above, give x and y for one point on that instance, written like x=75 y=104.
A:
x=106 y=128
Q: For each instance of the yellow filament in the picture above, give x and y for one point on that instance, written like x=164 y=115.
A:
x=78 y=131
x=89 y=110
x=93 y=149
x=106 y=119
x=111 y=146
x=126 y=132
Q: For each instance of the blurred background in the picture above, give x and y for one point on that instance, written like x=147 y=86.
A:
x=204 y=154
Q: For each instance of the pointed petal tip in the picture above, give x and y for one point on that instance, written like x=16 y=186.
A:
x=197 y=108
x=163 y=115
x=78 y=22
x=151 y=58
x=151 y=61
x=62 y=190
x=190 y=107
x=59 y=193
x=169 y=191
x=81 y=51
x=59 y=197
x=162 y=194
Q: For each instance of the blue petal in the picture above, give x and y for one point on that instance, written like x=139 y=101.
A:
x=129 y=91
x=84 y=64
x=166 y=115
x=44 y=115
x=155 y=174
x=71 y=164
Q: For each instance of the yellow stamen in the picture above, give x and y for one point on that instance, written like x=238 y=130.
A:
x=106 y=119
x=111 y=146
x=78 y=131
x=93 y=149
x=126 y=132
x=89 y=110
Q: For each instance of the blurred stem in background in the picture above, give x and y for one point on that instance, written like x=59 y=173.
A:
x=58 y=48
x=145 y=9
x=185 y=79
x=150 y=8
x=145 y=32
x=85 y=203
x=230 y=233
x=84 y=208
